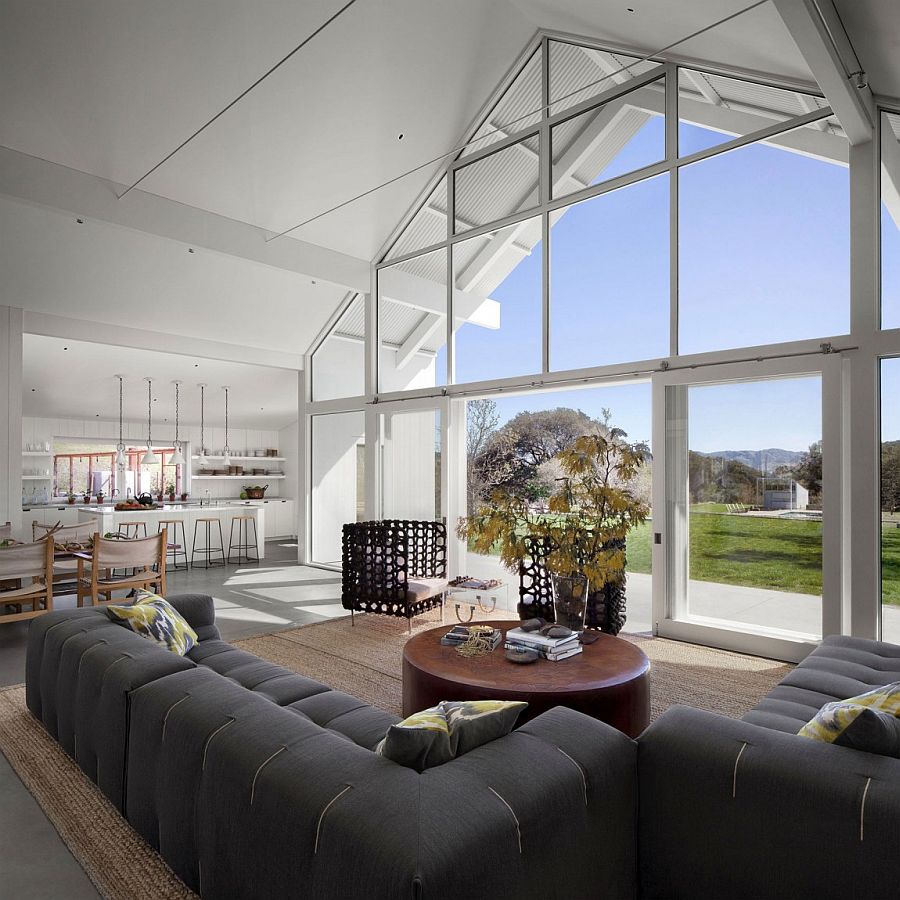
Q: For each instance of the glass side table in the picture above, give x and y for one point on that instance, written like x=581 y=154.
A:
x=467 y=599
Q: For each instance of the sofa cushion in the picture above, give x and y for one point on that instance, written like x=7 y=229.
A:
x=434 y=736
x=867 y=722
x=840 y=667
x=280 y=685
x=153 y=618
x=339 y=712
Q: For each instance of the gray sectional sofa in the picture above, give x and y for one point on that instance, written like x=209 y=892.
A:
x=255 y=782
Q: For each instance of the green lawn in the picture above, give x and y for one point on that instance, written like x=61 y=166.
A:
x=780 y=554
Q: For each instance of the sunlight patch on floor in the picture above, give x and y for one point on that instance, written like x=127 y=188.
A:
x=279 y=575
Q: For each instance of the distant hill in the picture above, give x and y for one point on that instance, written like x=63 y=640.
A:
x=767 y=460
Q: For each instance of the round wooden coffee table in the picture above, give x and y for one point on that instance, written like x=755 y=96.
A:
x=608 y=681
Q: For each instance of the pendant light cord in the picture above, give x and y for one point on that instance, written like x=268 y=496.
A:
x=121 y=442
x=176 y=414
x=202 y=419
x=226 y=420
x=149 y=412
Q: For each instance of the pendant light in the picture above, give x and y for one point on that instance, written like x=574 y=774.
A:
x=227 y=450
x=121 y=458
x=149 y=458
x=177 y=458
x=203 y=461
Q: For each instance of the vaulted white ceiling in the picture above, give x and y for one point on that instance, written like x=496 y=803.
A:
x=110 y=87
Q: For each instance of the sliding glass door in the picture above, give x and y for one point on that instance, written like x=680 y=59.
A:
x=746 y=503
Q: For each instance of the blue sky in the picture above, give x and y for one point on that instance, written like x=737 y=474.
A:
x=764 y=238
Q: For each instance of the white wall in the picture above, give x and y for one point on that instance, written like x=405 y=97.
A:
x=334 y=488
x=289 y=444
x=409 y=466
x=36 y=430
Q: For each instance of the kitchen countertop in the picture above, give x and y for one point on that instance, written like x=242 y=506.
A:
x=220 y=501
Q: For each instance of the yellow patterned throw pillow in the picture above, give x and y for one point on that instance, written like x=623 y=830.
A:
x=450 y=729
x=869 y=722
x=156 y=619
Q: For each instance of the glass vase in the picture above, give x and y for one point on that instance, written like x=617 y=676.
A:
x=570 y=593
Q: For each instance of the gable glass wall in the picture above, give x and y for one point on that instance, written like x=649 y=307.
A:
x=615 y=221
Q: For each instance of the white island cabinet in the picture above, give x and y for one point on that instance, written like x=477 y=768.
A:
x=110 y=520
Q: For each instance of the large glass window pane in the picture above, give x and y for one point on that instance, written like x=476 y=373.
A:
x=411 y=465
x=338 y=481
x=497 y=185
x=609 y=277
x=512 y=443
x=427 y=227
x=890 y=220
x=578 y=73
x=612 y=139
x=754 y=484
x=497 y=306
x=764 y=244
x=713 y=109
x=890 y=500
x=518 y=109
x=412 y=323
x=338 y=365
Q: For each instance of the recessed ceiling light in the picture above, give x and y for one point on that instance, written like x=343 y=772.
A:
x=629 y=9
x=196 y=365
x=33 y=390
x=400 y=137
x=313 y=281
x=80 y=221
x=65 y=348
x=190 y=249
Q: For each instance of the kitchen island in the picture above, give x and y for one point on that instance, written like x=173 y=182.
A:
x=109 y=519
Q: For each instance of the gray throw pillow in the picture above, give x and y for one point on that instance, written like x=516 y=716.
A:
x=873 y=731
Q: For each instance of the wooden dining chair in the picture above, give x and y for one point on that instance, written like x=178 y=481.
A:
x=140 y=555
x=63 y=536
x=26 y=578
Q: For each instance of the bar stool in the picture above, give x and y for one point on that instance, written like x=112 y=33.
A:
x=207 y=551
x=243 y=546
x=173 y=548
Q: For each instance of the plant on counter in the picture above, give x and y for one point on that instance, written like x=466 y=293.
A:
x=184 y=496
x=71 y=497
x=86 y=498
x=100 y=497
x=170 y=490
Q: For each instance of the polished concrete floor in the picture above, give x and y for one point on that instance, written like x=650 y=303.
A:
x=251 y=599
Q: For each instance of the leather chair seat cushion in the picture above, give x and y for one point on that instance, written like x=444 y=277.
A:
x=419 y=589
x=839 y=668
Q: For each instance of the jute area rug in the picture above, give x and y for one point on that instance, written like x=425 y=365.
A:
x=363 y=660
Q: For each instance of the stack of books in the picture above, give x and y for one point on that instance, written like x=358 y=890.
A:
x=459 y=634
x=549 y=648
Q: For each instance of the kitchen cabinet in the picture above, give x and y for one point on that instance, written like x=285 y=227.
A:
x=49 y=515
x=279 y=517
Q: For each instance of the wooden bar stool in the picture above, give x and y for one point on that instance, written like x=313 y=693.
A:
x=243 y=545
x=173 y=548
x=207 y=552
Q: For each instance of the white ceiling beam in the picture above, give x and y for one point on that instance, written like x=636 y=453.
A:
x=607 y=65
x=816 y=28
x=48 y=185
x=428 y=326
x=613 y=124
x=822 y=145
x=890 y=173
x=701 y=83
x=430 y=296
x=137 y=338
